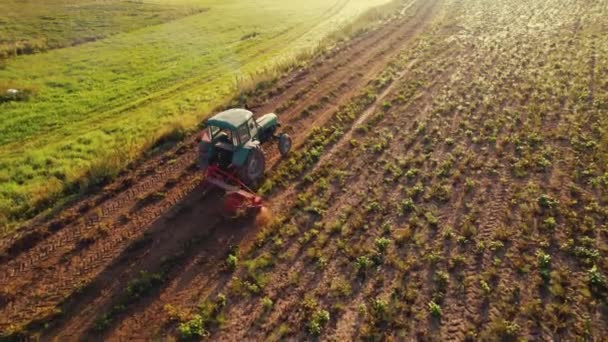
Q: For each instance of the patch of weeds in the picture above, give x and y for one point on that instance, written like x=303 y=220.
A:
x=209 y=315
x=501 y=330
x=144 y=284
x=468 y=230
x=340 y=287
x=136 y=289
x=176 y=314
x=587 y=255
x=380 y=311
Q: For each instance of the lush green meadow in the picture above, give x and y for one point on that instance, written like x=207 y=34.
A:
x=95 y=106
x=35 y=26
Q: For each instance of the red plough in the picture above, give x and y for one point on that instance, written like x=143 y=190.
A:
x=239 y=199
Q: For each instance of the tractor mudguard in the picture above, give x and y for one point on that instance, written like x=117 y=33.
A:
x=240 y=155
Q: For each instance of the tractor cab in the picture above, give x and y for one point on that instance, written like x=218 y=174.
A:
x=231 y=134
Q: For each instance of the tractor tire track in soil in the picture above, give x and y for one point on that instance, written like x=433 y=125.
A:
x=459 y=325
x=88 y=243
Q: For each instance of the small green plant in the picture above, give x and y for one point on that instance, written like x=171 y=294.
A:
x=380 y=310
x=267 y=303
x=363 y=263
x=362 y=309
x=547 y=202
x=544 y=263
x=317 y=322
x=431 y=219
x=549 y=223
x=595 y=277
x=435 y=309
x=412 y=173
x=232 y=262
x=441 y=280
x=485 y=287
x=544 y=259
x=221 y=300
x=407 y=206
x=469 y=185
x=142 y=285
x=193 y=328
x=382 y=244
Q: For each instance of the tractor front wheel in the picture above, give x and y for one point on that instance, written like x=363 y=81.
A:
x=284 y=144
x=253 y=170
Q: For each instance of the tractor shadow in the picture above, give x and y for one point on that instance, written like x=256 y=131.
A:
x=189 y=242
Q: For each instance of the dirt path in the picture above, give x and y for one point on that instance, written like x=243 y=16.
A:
x=83 y=258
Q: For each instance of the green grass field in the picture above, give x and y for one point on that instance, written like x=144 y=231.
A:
x=95 y=106
x=35 y=26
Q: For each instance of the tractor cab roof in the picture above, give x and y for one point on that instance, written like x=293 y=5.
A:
x=231 y=119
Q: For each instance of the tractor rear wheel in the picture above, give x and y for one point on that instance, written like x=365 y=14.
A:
x=253 y=170
x=284 y=144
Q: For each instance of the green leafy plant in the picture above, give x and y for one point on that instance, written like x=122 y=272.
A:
x=549 y=223
x=232 y=262
x=363 y=263
x=596 y=278
x=547 y=202
x=317 y=321
x=267 y=303
x=193 y=328
x=407 y=206
x=382 y=244
x=544 y=263
x=485 y=287
x=435 y=309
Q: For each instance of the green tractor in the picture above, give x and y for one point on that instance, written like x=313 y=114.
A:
x=230 y=146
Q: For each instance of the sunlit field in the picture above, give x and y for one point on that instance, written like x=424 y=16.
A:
x=448 y=178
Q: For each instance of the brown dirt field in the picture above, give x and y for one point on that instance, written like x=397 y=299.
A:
x=452 y=195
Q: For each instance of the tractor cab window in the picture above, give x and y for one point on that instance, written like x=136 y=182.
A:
x=244 y=133
x=213 y=130
x=235 y=138
x=206 y=135
x=222 y=134
x=253 y=128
